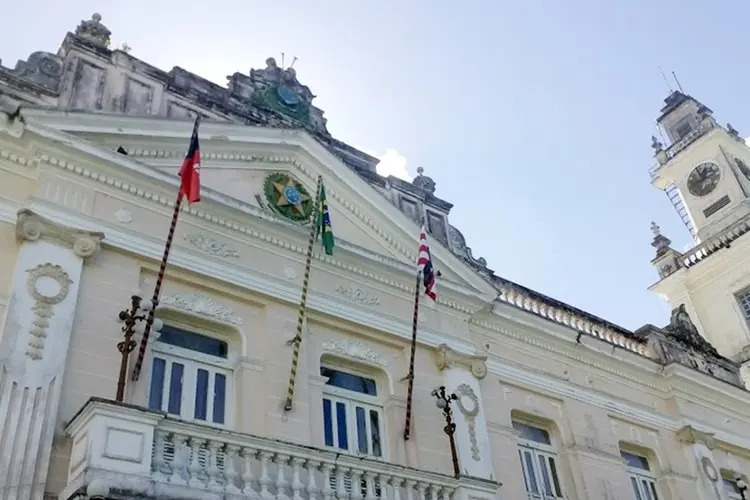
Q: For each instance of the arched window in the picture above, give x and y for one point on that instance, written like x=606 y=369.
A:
x=352 y=411
x=539 y=461
x=642 y=478
x=191 y=377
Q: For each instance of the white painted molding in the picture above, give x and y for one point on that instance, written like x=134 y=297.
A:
x=355 y=349
x=203 y=305
x=50 y=124
x=132 y=242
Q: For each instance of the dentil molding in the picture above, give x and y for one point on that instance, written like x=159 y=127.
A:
x=355 y=349
x=202 y=304
x=32 y=227
x=445 y=357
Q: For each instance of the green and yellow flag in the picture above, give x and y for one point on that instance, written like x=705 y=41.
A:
x=324 y=223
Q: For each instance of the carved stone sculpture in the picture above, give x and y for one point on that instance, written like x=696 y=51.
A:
x=682 y=329
x=94 y=31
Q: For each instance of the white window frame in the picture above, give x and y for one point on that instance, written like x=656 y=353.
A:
x=641 y=476
x=193 y=360
x=352 y=399
x=539 y=452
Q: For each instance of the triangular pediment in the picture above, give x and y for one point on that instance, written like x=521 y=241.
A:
x=253 y=164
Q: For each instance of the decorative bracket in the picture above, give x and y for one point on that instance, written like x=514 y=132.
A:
x=446 y=357
x=32 y=227
x=689 y=435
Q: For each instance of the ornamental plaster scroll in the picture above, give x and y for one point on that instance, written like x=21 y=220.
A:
x=358 y=295
x=355 y=349
x=445 y=357
x=212 y=246
x=202 y=304
x=48 y=284
x=690 y=435
x=32 y=227
x=470 y=411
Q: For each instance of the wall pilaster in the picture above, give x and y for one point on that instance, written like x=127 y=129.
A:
x=34 y=347
x=461 y=375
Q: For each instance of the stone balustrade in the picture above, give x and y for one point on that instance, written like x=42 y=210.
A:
x=142 y=453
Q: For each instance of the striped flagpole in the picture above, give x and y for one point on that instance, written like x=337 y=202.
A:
x=297 y=340
x=414 y=323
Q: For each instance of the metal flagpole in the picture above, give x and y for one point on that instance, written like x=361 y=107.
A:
x=414 y=322
x=297 y=340
x=157 y=289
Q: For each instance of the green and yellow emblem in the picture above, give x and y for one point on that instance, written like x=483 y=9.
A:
x=288 y=197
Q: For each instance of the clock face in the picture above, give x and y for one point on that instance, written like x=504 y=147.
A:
x=703 y=179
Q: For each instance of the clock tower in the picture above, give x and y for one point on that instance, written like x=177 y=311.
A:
x=704 y=170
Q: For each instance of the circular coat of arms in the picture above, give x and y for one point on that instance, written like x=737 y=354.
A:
x=288 y=197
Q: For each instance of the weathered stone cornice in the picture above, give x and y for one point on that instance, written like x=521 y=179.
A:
x=32 y=227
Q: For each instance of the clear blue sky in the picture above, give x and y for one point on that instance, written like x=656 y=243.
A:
x=533 y=117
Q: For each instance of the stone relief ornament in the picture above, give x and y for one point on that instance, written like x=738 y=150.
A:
x=355 y=349
x=358 y=295
x=211 y=246
x=468 y=405
x=290 y=273
x=48 y=284
x=446 y=357
x=123 y=216
x=709 y=469
x=202 y=304
x=32 y=227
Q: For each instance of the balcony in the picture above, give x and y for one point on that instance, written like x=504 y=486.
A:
x=133 y=452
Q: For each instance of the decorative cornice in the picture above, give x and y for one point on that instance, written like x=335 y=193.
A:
x=355 y=349
x=32 y=227
x=273 y=240
x=358 y=295
x=211 y=246
x=445 y=357
x=690 y=435
x=521 y=300
x=202 y=304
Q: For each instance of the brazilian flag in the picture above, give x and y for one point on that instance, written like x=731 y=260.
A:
x=324 y=223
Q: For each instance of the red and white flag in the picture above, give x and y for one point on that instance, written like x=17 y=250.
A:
x=190 y=172
x=424 y=265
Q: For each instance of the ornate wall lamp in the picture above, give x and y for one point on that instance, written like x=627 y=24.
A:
x=133 y=322
x=443 y=402
x=741 y=485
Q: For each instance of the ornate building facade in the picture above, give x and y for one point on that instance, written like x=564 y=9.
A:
x=551 y=402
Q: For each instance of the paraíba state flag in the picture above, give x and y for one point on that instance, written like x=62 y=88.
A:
x=424 y=265
x=324 y=223
x=190 y=172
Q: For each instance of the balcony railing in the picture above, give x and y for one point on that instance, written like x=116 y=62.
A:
x=146 y=454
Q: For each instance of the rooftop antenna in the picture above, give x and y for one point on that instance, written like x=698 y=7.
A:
x=282 y=60
x=665 y=80
x=677 y=81
x=293 y=61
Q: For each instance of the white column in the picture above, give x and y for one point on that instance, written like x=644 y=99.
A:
x=34 y=347
x=709 y=478
x=461 y=375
